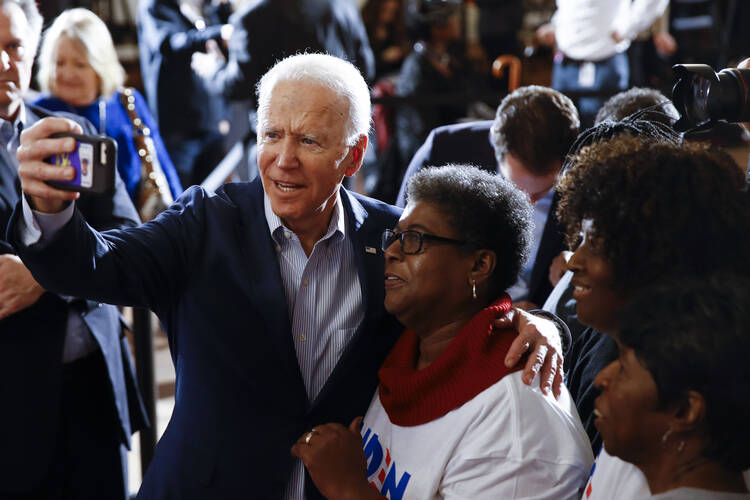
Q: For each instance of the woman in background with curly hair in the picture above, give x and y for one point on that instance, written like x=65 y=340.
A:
x=637 y=210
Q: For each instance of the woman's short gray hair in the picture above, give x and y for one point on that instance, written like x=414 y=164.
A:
x=84 y=26
x=487 y=211
x=338 y=75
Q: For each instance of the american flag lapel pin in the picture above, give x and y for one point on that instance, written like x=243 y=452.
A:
x=371 y=250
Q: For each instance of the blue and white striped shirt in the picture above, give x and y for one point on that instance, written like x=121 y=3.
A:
x=325 y=304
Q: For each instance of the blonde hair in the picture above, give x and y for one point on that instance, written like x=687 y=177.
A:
x=85 y=27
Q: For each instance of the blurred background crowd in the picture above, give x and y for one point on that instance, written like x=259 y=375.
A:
x=429 y=63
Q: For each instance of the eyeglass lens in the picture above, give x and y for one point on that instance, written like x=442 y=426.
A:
x=410 y=241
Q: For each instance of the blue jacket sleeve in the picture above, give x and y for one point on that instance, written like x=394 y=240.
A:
x=143 y=266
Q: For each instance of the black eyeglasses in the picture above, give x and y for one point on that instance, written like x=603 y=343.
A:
x=411 y=241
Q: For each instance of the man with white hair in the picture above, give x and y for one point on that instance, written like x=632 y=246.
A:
x=271 y=291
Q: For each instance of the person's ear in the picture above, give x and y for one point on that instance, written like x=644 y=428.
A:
x=689 y=413
x=484 y=265
x=356 y=156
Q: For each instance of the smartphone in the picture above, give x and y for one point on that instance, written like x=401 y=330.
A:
x=93 y=160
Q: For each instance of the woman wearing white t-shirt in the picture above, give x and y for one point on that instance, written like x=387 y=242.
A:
x=644 y=211
x=449 y=419
x=674 y=403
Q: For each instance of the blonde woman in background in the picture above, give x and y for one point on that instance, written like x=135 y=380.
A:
x=79 y=73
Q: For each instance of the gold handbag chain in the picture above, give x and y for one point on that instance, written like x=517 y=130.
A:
x=153 y=193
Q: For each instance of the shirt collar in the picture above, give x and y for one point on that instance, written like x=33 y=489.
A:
x=21 y=118
x=336 y=228
x=546 y=200
x=10 y=132
x=10 y=129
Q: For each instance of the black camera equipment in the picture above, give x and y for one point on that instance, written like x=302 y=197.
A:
x=704 y=97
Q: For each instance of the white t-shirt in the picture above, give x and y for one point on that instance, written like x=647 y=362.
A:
x=583 y=28
x=508 y=442
x=610 y=474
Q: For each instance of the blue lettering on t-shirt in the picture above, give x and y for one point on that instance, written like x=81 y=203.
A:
x=373 y=453
x=391 y=489
x=383 y=471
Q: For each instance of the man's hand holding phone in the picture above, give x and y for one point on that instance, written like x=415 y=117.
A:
x=37 y=145
x=92 y=160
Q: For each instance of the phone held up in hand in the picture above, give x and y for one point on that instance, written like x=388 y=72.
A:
x=93 y=160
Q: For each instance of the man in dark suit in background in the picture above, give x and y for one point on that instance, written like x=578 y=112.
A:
x=526 y=143
x=67 y=387
x=193 y=122
x=265 y=31
x=271 y=291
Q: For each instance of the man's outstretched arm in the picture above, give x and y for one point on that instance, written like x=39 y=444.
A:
x=141 y=266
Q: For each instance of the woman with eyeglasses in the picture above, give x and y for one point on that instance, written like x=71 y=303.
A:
x=448 y=419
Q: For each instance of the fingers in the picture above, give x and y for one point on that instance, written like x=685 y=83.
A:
x=35 y=172
x=324 y=431
x=7 y=307
x=506 y=320
x=516 y=319
x=356 y=425
x=534 y=364
x=558 y=380
x=518 y=348
x=36 y=145
x=525 y=305
x=298 y=452
x=301 y=448
x=43 y=129
x=321 y=434
x=45 y=197
x=10 y=303
x=18 y=288
x=559 y=266
x=557 y=269
x=548 y=372
x=40 y=148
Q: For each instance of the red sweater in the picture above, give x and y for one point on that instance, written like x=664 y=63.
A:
x=473 y=361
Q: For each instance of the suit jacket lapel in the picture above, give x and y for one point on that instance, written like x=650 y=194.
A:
x=264 y=285
x=363 y=239
x=10 y=184
x=9 y=187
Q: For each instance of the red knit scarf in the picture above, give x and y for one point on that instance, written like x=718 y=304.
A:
x=473 y=361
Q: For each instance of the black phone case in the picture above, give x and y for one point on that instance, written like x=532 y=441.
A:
x=103 y=172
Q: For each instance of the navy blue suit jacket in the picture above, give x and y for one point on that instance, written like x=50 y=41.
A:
x=470 y=143
x=31 y=346
x=208 y=268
